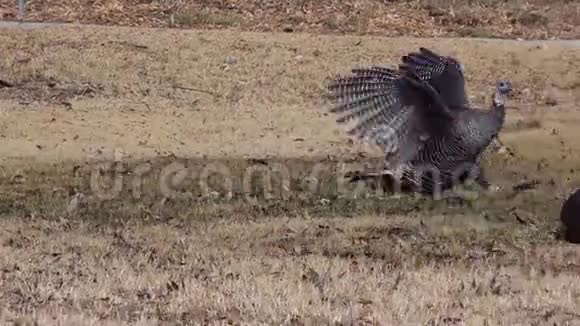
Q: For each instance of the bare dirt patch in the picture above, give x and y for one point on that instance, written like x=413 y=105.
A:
x=48 y=91
x=235 y=100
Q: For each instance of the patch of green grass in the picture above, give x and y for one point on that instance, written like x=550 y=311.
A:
x=191 y=18
x=195 y=189
x=530 y=18
x=477 y=31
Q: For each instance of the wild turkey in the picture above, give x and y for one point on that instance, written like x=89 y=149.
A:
x=570 y=217
x=421 y=118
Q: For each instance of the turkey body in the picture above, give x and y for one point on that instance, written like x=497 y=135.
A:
x=420 y=117
x=570 y=217
x=455 y=156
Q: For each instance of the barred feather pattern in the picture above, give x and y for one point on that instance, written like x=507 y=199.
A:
x=455 y=155
x=407 y=113
x=443 y=73
x=373 y=98
x=442 y=162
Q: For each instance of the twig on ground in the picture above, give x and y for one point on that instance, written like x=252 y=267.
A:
x=5 y=84
x=526 y=185
x=195 y=90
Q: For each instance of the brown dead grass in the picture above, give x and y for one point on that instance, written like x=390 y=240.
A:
x=367 y=270
x=257 y=94
x=253 y=99
x=425 y=18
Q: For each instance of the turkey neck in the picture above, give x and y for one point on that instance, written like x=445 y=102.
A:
x=498 y=108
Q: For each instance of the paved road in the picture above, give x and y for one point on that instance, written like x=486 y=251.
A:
x=33 y=25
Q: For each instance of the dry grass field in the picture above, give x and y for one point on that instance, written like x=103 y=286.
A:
x=96 y=230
